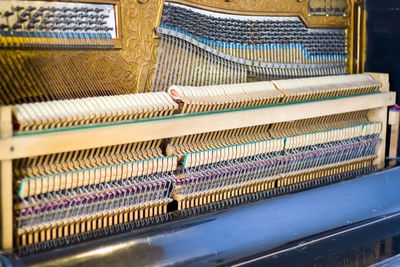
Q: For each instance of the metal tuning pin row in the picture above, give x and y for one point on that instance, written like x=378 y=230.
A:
x=200 y=48
x=57 y=24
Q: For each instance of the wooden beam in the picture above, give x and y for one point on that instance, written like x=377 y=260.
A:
x=394 y=121
x=383 y=78
x=63 y=141
x=6 y=196
x=380 y=114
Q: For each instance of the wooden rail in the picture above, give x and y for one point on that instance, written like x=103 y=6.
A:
x=63 y=141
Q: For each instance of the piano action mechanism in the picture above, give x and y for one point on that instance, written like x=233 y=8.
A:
x=121 y=114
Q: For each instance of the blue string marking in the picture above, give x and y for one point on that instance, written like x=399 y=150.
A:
x=254 y=47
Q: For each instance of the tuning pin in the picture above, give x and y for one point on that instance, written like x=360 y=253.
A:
x=4 y=27
x=68 y=22
x=22 y=20
x=67 y=29
x=30 y=8
x=8 y=13
x=47 y=21
x=30 y=26
x=43 y=28
x=57 y=22
x=37 y=14
x=98 y=10
x=49 y=15
x=66 y=9
x=76 y=10
x=25 y=14
x=43 y=9
x=16 y=26
x=18 y=8
x=88 y=29
x=81 y=22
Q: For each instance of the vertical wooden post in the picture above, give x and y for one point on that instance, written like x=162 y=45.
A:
x=380 y=114
x=6 y=199
x=394 y=120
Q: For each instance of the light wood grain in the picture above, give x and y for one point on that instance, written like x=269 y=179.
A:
x=6 y=198
x=40 y=144
x=383 y=78
x=380 y=114
x=394 y=121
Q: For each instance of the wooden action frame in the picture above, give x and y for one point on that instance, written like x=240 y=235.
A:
x=13 y=147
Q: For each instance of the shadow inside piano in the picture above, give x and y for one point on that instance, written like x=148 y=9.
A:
x=367 y=243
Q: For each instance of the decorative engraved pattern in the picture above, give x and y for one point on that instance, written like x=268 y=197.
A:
x=327 y=7
x=138 y=39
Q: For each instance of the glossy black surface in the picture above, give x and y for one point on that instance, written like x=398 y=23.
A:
x=361 y=244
